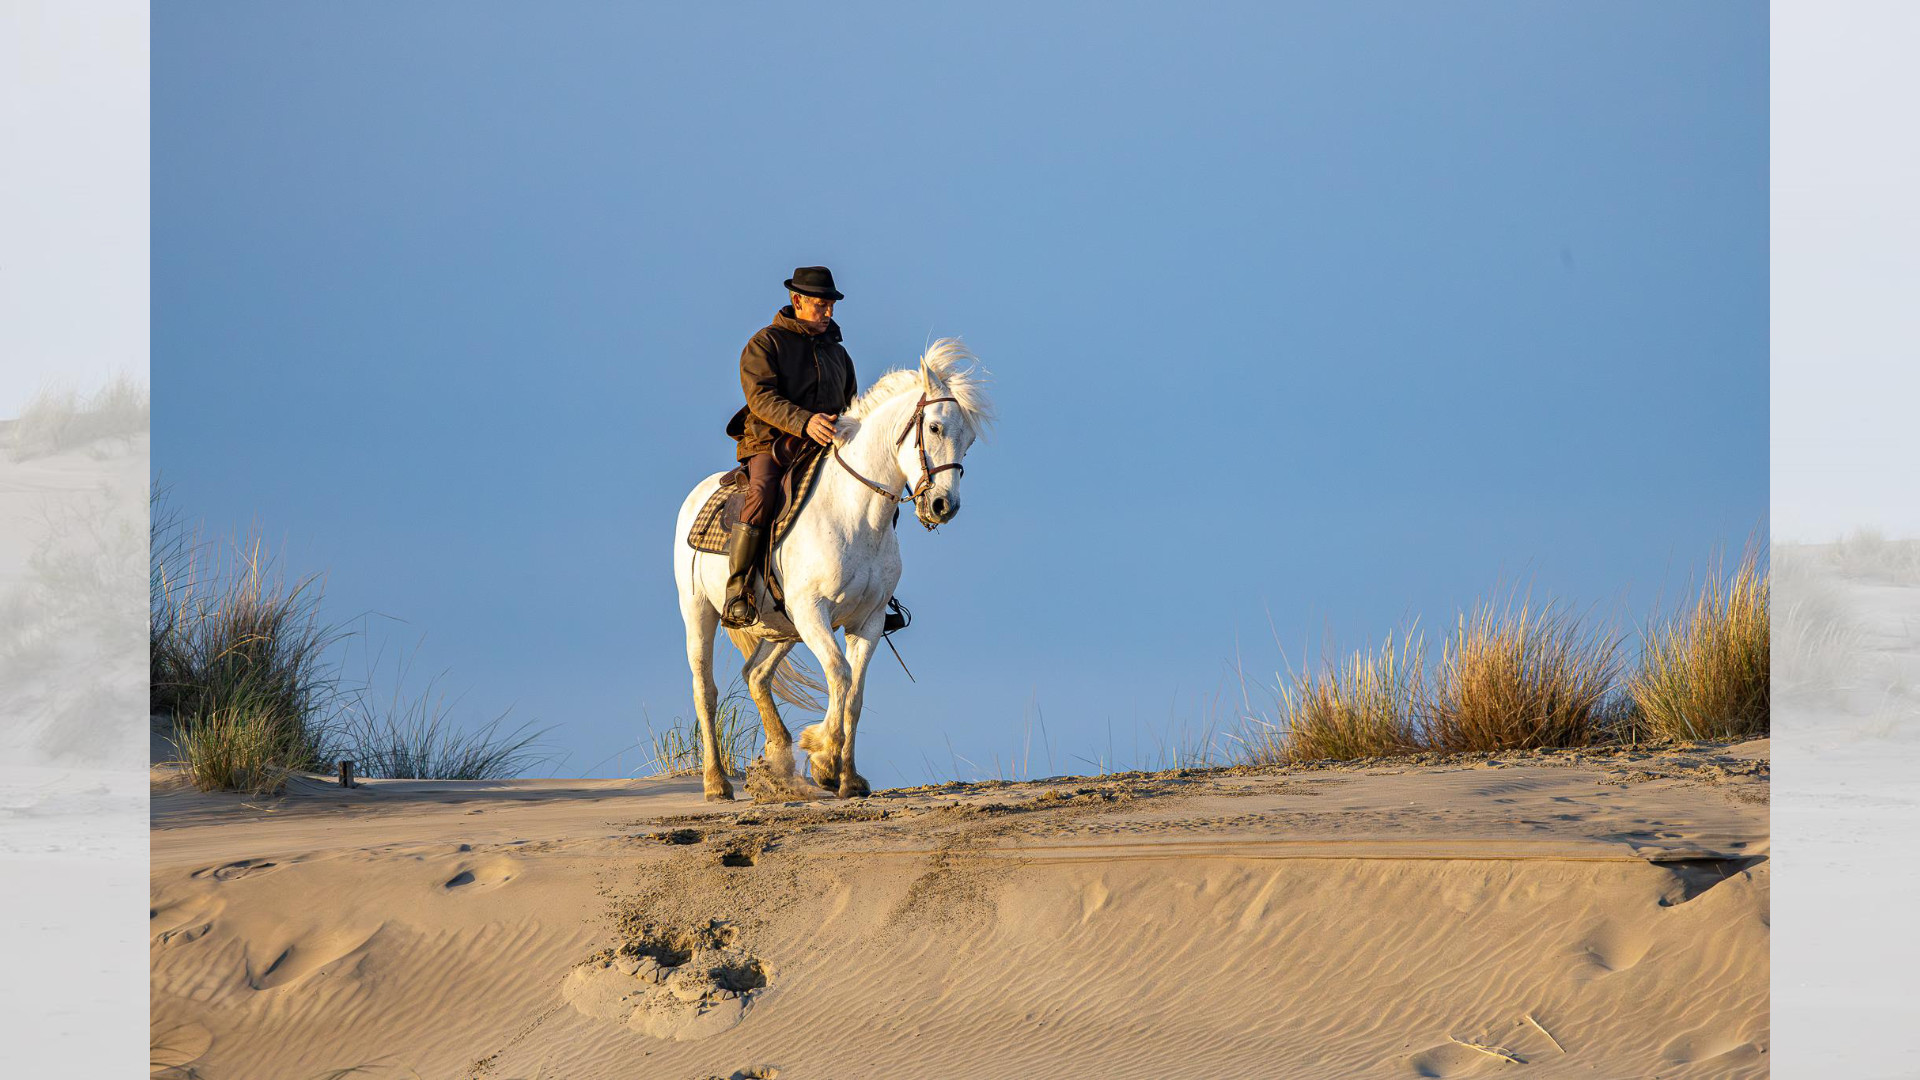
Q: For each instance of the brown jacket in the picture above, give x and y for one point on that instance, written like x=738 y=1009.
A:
x=788 y=375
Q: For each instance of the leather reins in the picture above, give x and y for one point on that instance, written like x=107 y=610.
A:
x=928 y=469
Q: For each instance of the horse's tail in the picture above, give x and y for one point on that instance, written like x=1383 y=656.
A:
x=793 y=683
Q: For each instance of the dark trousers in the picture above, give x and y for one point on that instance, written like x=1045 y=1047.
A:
x=762 y=503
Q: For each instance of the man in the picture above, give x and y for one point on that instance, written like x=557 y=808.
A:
x=797 y=378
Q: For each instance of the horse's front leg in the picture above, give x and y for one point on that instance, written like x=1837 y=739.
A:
x=861 y=641
x=822 y=740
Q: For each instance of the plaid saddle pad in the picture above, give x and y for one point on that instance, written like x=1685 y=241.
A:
x=722 y=509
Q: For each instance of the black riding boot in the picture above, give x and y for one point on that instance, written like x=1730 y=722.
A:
x=743 y=552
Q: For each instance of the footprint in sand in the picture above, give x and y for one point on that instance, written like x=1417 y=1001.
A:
x=744 y=851
x=275 y=965
x=180 y=923
x=672 y=983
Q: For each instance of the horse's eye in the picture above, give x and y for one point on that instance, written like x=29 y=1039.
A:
x=935 y=428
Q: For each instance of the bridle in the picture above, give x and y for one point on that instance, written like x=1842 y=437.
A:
x=917 y=425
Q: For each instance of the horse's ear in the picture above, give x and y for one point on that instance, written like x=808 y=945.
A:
x=931 y=382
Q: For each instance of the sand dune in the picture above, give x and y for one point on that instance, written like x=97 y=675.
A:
x=73 y=544
x=1593 y=914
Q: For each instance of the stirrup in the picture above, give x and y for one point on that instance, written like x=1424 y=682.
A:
x=897 y=616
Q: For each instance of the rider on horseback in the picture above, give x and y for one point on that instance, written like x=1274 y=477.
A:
x=797 y=378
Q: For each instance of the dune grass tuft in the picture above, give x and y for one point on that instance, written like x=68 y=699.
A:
x=237 y=655
x=676 y=751
x=243 y=663
x=1367 y=707
x=228 y=629
x=1817 y=648
x=60 y=418
x=412 y=735
x=1704 y=675
x=417 y=740
x=1520 y=679
x=243 y=744
x=1867 y=554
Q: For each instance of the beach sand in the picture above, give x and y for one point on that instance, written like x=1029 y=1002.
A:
x=73 y=789
x=1593 y=913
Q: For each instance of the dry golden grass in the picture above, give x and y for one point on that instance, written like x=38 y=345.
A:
x=676 y=751
x=242 y=744
x=1817 y=650
x=1704 y=675
x=1868 y=555
x=60 y=418
x=1367 y=707
x=1520 y=679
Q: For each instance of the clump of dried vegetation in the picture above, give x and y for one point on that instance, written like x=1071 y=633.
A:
x=60 y=418
x=248 y=676
x=1367 y=707
x=1867 y=554
x=1522 y=675
x=1704 y=674
x=1520 y=679
x=1816 y=647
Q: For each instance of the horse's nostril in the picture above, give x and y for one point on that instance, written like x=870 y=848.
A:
x=939 y=506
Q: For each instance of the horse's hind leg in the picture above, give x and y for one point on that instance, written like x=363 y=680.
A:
x=759 y=672
x=702 y=620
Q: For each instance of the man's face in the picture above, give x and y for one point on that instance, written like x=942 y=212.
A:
x=811 y=308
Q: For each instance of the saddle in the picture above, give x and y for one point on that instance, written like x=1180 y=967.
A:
x=717 y=517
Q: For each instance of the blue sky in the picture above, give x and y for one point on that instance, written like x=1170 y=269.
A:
x=1323 y=317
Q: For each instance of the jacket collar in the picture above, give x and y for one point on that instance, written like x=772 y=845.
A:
x=784 y=320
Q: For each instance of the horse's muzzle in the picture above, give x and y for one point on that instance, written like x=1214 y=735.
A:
x=937 y=510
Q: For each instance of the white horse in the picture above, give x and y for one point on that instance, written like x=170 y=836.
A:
x=838 y=562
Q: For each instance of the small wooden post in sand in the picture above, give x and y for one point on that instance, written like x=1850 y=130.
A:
x=346 y=774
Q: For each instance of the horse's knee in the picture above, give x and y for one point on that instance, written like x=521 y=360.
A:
x=705 y=690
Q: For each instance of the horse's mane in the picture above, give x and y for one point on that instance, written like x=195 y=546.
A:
x=954 y=365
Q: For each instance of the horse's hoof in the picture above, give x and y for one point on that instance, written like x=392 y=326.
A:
x=826 y=774
x=855 y=787
x=723 y=793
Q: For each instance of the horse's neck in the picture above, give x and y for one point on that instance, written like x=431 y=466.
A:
x=871 y=453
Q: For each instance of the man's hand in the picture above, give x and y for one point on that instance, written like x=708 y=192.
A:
x=820 y=428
